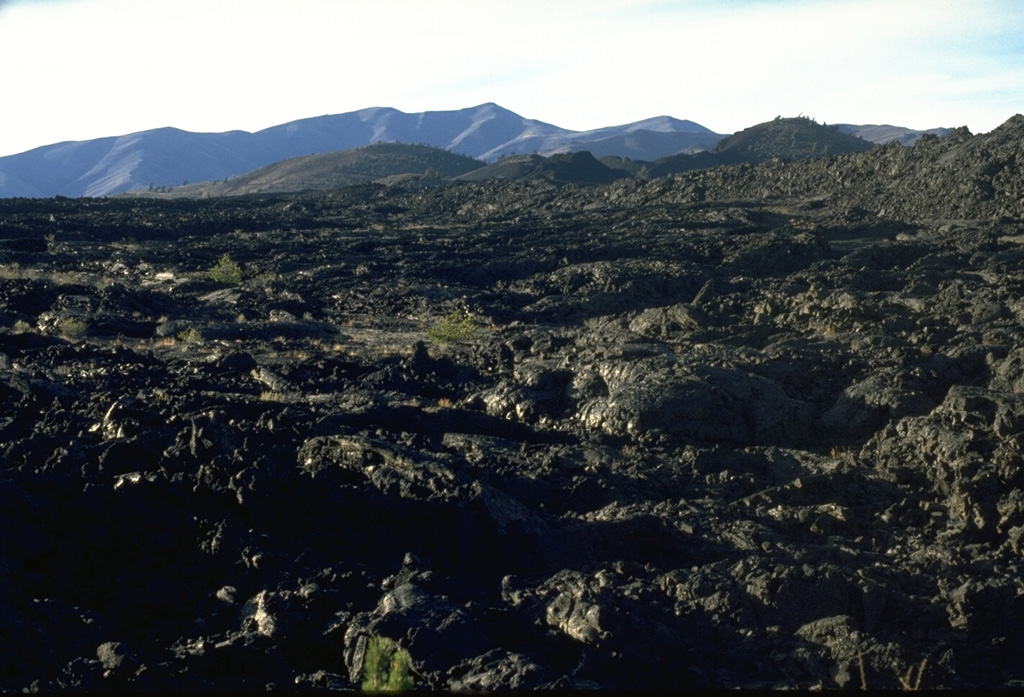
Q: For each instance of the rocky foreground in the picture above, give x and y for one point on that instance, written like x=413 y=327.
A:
x=755 y=427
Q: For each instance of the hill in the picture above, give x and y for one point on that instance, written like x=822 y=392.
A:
x=570 y=168
x=332 y=170
x=884 y=133
x=797 y=138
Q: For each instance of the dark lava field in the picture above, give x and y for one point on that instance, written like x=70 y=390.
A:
x=746 y=427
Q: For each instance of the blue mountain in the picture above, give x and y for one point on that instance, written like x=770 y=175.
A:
x=170 y=156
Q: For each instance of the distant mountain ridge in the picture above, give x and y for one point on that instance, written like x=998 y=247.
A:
x=789 y=139
x=885 y=133
x=165 y=157
x=170 y=156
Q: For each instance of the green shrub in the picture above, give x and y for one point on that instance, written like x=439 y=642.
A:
x=72 y=327
x=457 y=326
x=190 y=335
x=227 y=271
x=386 y=666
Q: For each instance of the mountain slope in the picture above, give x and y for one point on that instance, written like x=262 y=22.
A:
x=642 y=140
x=164 y=156
x=473 y=131
x=336 y=169
x=169 y=156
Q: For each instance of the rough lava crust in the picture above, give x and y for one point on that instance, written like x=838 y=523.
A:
x=747 y=427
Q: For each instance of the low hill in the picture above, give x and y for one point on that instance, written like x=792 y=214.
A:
x=336 y=169
x=578 y=168
x=884 y=133
x=569 y=168
x=625 y=164
x=797 y=138
x=511 y=167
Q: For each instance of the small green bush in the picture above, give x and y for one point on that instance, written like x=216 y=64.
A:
x=190 y=335
x=72 y=327
x=386 y=666
x=227 y=271
x=457 y=326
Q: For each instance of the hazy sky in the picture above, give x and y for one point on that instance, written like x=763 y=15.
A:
x=80 y=69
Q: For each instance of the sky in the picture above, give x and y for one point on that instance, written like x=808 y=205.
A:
x=82 y=69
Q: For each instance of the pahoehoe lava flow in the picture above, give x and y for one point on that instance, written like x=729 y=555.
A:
x=753 y=426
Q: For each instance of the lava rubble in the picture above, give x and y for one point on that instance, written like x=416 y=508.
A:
x=703 y=434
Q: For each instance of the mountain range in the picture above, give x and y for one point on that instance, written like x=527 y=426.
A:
x=169 y=156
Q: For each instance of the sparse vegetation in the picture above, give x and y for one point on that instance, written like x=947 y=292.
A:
x=277 y=396
x=226 y=271
x=386 y=666
x=71 y=327
x=16 y=272
x=456 y=327
x=190 y=335
x=908 y=683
